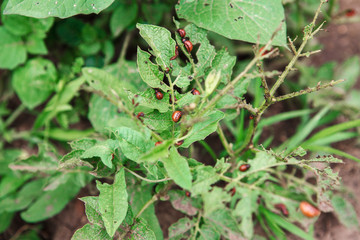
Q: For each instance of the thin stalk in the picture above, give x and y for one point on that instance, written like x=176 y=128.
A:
x=197 y=226
x=124 y=48
x=14 y=115
x=224 y=141
x=145 y=179
x=147 y=204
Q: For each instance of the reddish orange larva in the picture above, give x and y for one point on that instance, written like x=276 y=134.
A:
x=309 y=210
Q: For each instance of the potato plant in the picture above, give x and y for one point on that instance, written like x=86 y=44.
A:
x=134 y=119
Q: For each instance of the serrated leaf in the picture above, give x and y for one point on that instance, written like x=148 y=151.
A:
x=104 y=150
x=205 y=177
x=241 y=20
x=148 y=99
x=55 y=8
x=157 y=121
x=204 y=128
x=35 y=81
x=113 y=202
x=13 y=51
x=150 y=72
x=91 y=232
x=92 y=210
x=224 y=223
x=133 y=144
x=177 y=230
x=182 y=203
x=224 y=63
x=124 y=15
x=214 y=200
x=208 y=233
x=142 y=231
x=101 y=112
x=160 y=41
x=206 y=52
x=244 y=209
x=178 y=169
x=105 y=82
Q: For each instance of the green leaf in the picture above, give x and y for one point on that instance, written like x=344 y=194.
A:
x=89 y=232
x=345 y=212
x=124 y=15
x=214 y=200
x=148 y=99
x=101 y=112
x=133 y=144
x=13 y=51
x=206 y=52
x=202 y=129
x=224 y=63
x=207 y=232
x=240 y=20
x=36 y=45
x=178 y=230
x=112 y=87
x=330 y=150
x=157 y=152
x=35 y=81
x=350 y=71
x=104 y=150
x=224 y=223
x=141 y=230
x=61 y=9
x=23 y=198
x=21 y=26
x=113 y=202
x=244 y=209
x=92 y=210
x=5 y=219
x=212 y=81
x=139 y=196
x=150 y=72
x=157 y=121
x=205 y=177
x=10 y=182
x=178 y=169
x=83 y=144
x=160 y=41
x=52 y=202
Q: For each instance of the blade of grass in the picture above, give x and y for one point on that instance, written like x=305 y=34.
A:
x=208 y=149
x=341 y=136
x=330 y=150
x=272 y=225
x=301 y=134
x=333 y=129
x=282 y=117
x=287 y=225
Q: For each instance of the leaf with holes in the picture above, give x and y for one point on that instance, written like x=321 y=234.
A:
x=246 y=20
x=160 y=41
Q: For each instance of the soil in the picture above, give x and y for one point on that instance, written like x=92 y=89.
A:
x=340 y=42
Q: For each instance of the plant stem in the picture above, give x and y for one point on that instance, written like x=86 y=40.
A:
x=197 y=226
x=14 y=115
x=124 y=48
x=147 y=204
x=145 y=179
x=308 y=90
x=224 y=141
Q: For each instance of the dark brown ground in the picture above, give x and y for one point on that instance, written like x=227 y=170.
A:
x=340 y=42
